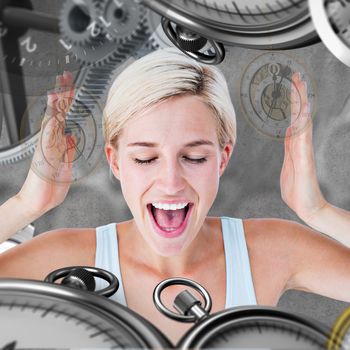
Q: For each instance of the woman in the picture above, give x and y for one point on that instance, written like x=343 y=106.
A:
x=170 y=132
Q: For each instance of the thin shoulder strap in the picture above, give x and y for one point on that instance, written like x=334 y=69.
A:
x=107 y=258
x=239 y=282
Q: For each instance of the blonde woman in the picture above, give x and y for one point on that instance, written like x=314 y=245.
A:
x=170 y=130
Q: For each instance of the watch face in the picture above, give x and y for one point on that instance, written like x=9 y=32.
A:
x=30 y=56
x=38 y=315
x=254 y=23
x=265 y=92
x=264 y=333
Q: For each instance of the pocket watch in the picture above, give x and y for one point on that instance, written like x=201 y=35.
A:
x=267 y=24
x=42 y=315
x=246 y=327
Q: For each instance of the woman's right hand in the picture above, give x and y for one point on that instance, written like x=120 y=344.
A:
x=50 y=175
x=299 y=184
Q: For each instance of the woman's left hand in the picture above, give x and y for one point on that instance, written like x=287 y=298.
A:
x=299 y=184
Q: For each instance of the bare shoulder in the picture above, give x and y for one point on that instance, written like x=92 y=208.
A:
x=49 y=251
x=277 y=232
x=278 y=250
x=285 y=238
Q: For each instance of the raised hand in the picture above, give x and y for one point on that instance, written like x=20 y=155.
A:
x=49 y=177
x=299 y=184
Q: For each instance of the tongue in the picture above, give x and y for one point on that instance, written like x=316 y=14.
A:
x=169 y=218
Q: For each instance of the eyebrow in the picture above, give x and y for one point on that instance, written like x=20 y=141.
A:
x=190 y=144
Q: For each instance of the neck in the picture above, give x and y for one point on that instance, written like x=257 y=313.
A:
x=200 y=249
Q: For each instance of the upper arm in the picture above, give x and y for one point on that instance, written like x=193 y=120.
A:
x=318 y=263
x=36 y=258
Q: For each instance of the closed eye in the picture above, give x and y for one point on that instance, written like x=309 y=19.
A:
x=144 y=161
x=188 y=159
x=195 y=160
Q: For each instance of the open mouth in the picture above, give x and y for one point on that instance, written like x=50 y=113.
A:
x=169 y=220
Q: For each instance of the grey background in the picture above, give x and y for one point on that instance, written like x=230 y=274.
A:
x=250 y=186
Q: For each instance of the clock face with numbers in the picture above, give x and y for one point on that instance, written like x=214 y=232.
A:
x=265 y=92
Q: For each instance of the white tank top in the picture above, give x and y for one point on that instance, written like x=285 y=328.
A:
x=239 y=282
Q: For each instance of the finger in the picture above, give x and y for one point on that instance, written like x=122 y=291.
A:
x=300 y=107
x=71 y=147
x=295 y=99
x=288 y=140
x=68 y=78
x=67 y=166
x=66 y=88
x=52 y=132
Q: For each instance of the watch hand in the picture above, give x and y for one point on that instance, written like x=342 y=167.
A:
x=274 y=97
x=284 y=74
x=276 y=93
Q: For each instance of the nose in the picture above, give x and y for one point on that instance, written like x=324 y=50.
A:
x=171 y=179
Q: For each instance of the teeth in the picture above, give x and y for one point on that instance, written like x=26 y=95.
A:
x=169 y=229
x=167 y=206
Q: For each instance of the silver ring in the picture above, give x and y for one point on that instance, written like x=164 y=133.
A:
x=113 y=283
x=185 y=282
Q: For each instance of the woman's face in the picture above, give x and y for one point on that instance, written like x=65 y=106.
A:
x=169 y=163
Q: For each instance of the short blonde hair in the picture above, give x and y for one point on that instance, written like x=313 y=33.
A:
x=161 y=75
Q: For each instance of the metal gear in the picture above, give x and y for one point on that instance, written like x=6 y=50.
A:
x=105 y=50
x=120 y=18
x=78 y=23
x=339 y=14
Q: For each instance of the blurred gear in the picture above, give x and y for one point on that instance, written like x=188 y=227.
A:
x=113 y=31
x=78 y=24
x=121 y=19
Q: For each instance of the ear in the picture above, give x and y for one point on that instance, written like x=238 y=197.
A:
x=111 y=154
x=225 y=157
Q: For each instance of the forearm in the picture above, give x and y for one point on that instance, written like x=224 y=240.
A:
x=333 y=221
x=14 y=215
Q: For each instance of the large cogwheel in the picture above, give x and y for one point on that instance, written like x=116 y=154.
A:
x=122 y=18
x=78 y=25
x=107 y=30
